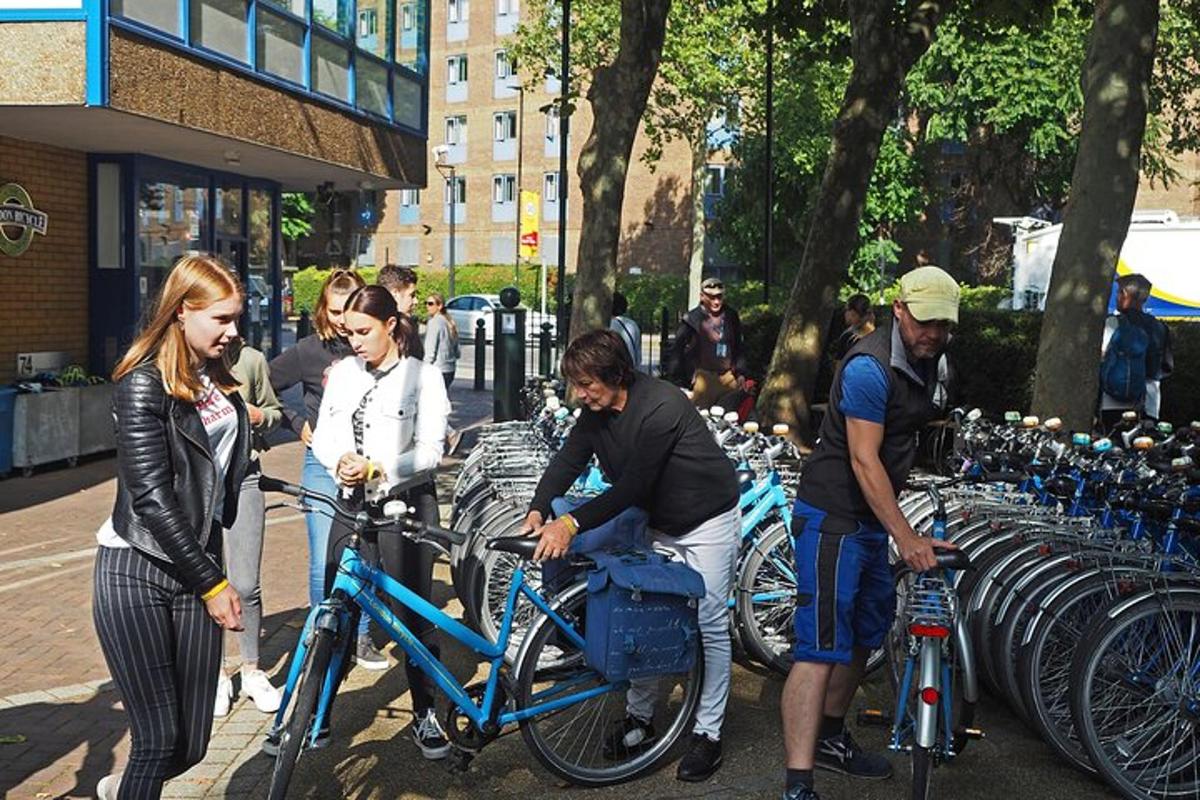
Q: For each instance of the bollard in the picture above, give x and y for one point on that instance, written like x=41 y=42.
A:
x=303 y=325
x=480 y=353
x=544 y=344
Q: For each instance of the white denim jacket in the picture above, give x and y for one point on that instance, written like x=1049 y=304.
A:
x=404 y=420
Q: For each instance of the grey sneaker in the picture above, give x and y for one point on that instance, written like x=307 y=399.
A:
x=430 y=737
x=367 y=656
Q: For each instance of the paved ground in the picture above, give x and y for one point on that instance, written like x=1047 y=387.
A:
x=62 y=726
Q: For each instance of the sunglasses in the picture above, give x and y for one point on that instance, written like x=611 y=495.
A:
x=431 y=302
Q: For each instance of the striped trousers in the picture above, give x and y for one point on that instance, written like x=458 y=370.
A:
x=163 y=651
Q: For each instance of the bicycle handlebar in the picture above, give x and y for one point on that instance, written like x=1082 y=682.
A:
x=421 y=529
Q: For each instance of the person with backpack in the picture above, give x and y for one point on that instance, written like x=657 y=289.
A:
x=1135 y=355
x=629 y=331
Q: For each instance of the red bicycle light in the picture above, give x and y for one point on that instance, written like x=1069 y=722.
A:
x=934 y=631
x=930 y=696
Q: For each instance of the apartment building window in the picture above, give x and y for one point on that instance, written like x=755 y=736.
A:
x=504 y=7
x=505 y=126
x=458 y=69
x=368 y=22
x=507 y=17
x=504 y=189
x=410 y=197
x=408 y=17
x=506 y=67
x=552 y=123
x=456 y=130
x=456 y=190
x=714 y=180
x=458 y=11
x=550 y=196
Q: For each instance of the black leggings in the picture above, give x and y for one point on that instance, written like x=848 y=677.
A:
x=409 y=563
x=163 y=651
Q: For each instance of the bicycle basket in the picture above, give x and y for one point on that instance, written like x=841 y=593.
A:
x=641 y=615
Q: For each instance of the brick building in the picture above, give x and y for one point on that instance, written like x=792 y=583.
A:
x=136 y=131
x=500 y=140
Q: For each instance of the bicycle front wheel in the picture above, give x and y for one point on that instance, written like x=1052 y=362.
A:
x=582 y=743
x=299 y=718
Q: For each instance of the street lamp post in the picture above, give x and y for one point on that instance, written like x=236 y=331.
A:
x=564 y=116
x=440 y=154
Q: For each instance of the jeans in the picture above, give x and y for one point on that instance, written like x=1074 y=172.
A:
x=317 y=478
x=243 y=561
x=711 y=549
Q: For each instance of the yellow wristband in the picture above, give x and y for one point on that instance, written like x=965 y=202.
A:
x=571 y=523
x=214 y=591
x=371 y=470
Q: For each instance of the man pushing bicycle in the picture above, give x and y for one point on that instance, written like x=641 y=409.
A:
x=846 y=508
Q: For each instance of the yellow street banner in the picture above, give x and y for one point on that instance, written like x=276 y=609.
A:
x=530 y=205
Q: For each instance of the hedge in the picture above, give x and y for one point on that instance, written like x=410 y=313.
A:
x=995 y=355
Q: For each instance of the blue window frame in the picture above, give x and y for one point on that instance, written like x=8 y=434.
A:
x=366 y=56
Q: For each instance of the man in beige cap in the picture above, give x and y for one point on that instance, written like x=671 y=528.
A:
x=708 y=357
x=846 y=509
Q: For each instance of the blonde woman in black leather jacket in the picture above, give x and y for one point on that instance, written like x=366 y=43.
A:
x=161 y=594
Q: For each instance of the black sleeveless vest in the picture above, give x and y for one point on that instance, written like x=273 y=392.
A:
x=828 y=481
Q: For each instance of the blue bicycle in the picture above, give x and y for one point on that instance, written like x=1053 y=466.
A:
x=570 y=716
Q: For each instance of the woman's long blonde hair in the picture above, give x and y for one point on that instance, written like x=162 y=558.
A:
x=195 y=282
x=441 y=301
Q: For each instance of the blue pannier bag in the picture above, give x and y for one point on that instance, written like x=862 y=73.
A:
x=626 y=531
x=642 y=615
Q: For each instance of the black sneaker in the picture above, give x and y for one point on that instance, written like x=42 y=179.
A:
x=842 y=754
x=367 y=656
x=801 y=793
x=628 y=738
x=429 y=736
x=701 y=761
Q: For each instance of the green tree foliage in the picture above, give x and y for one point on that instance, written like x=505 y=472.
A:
x=298 y=212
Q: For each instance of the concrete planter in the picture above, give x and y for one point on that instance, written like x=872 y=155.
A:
x=96 y=431
x=45 y=428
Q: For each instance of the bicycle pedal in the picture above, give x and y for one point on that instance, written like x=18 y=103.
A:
x=873 y=716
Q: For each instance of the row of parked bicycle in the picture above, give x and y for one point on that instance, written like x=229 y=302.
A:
x=1080 y=607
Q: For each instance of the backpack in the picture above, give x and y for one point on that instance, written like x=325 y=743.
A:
x=1123 y=371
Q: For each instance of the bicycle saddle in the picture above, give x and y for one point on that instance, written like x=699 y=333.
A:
x=953 y=559
x=521 y=546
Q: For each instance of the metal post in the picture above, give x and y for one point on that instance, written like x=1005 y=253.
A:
x=563 y=130
x=480 y=353
x=520 y=161
x=453 y=214
x=769 y=244
x=544 y=345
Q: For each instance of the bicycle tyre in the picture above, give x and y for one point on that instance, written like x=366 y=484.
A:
x=922 y=772
x=1094 y=663
x=544 y=655
x=771 y=647
x=298 y=720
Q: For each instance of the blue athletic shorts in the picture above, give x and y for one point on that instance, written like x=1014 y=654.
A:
x=844 y=592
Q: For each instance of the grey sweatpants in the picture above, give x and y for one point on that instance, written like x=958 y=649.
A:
x=243 y=561
x=711 y=549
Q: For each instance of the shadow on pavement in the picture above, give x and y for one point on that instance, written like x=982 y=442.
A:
x=54 y=481
x=54 y=730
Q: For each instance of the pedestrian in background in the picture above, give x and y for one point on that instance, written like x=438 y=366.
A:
x=162 y=596
x=441 y=338
x=708 y=356
x=401 y=282
x=244 y=541
x=627 y=329
x=859 y=317
x=1135 y=355
x=308 y=363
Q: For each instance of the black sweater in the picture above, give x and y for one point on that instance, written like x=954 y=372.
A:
x=306 y=362
x=659 y=455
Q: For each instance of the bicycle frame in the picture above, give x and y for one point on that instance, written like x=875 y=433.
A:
x=356 y=581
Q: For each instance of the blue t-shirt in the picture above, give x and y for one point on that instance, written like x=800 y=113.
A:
x=864 y=390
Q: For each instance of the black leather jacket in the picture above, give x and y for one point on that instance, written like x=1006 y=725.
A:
x=166 y=477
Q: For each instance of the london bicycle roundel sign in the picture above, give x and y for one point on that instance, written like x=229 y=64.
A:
x=19 y=220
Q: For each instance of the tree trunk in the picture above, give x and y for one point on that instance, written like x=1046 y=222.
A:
x=884 y=46
x=618 y=95
x=1116 y=83
x=699 y=175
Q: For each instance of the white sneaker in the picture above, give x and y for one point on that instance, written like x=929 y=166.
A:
x=257 y=686
x=224 y=695
x=108 y=787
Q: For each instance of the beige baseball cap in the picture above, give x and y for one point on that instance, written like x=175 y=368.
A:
x=930 y=293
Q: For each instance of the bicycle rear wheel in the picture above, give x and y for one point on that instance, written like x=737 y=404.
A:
x=922 y=772
x=570 y=742
x=299 y=718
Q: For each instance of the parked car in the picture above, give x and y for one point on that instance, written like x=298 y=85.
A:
x=466 y=309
